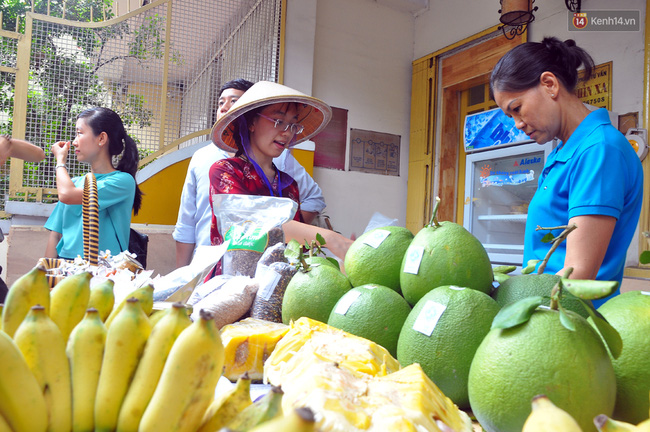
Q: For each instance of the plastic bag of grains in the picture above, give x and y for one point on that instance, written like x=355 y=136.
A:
x=230 y=302
x=252 y=224
x=272 y=280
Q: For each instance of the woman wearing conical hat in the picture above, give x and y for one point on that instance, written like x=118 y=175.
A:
x=267 y=120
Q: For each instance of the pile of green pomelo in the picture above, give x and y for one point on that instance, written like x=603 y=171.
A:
x=431 y=298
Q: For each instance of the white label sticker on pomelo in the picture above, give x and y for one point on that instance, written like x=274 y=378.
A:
x=428 y=317
x=346 y=301
x=377 y=238
x=645 y=292
x=457 y=288
x=270 y=278
x=413 y=259
x=544 y=307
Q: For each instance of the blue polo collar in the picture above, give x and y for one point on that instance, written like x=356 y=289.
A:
x=588 y=126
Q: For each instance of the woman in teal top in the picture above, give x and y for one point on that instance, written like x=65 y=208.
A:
x=592 y=179
x=100 y=136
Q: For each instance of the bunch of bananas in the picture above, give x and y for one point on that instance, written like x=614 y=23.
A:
x=70 y=359
x=546 y=416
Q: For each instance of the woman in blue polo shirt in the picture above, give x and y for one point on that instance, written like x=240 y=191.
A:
x=592 y=179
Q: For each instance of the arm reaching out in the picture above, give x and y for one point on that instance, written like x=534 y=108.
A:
x=304 y=233
x=21 y=149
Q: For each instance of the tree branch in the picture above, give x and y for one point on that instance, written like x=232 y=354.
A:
x=556 y=242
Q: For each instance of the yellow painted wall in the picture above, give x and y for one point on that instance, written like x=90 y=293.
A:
x=305 y=158
x=162 y=195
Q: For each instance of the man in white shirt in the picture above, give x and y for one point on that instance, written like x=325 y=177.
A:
x=194 y=214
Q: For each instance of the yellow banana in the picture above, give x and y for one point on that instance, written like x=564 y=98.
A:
x=263 y=410
x=145 y=297
x=21 y=401
x=156 y=316
x=41 y=342
x=150 y=368
x=69 y=301
x=605 y=424
x=4 y=426
x=545 y=416
x=29 y=290
x=85 y=351
x=102 y=298
x=223 y=409
x=644 y=426
x=188 y=380
x=125 y=341
x=299 y=420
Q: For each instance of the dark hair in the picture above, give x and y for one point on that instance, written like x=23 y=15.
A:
x=237 y=84
x=520 y=68
x=100 y=120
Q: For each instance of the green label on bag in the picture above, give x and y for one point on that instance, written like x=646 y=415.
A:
x=247 y=236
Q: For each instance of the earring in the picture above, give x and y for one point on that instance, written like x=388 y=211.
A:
x=552 y=95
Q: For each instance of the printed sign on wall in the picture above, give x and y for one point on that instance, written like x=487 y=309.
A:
x=374 y=152
x=597 y=89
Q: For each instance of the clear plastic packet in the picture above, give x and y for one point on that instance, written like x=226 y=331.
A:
x=251 y=224
x=230 y=302
x=272 y=280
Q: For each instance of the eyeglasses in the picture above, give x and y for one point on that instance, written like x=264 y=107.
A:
x=296 y=128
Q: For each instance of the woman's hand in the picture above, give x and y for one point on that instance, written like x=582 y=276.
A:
x=60 y=151
x=304 y=233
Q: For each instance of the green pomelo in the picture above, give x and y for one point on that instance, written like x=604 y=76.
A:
x=371 y=311
x=313 y=293
x=364 y=263
x=450 y=255
x=463 y=318
x=629 y=314
x=322 y=261
x=522 y=286
x=541 y=356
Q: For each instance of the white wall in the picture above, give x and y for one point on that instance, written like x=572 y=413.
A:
x=361 y=62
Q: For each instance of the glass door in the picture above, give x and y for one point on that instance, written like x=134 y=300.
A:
x=499 y=185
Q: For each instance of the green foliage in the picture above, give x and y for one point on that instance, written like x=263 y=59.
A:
x=64 y=71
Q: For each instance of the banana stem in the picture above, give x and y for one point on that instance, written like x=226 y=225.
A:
x=556 y=242
x=434 y=216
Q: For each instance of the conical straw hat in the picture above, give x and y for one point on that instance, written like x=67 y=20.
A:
x=313 y=113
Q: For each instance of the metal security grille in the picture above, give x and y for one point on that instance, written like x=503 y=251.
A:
x=160 y=67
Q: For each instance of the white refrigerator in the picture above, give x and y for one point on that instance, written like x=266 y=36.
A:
x=501 y=176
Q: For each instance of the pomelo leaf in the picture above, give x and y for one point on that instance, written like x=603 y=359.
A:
x=500 y=277
x=333 y=260
x=320 y=239
x=589 y=289
x=293 y=250
x=504 y=269
x=516 y=313
x=548 y=238
x=610 y=335
x=644 y=258
x=530 y=267
x=565 y=319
